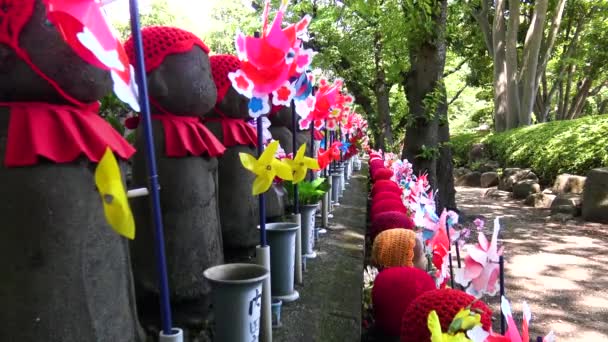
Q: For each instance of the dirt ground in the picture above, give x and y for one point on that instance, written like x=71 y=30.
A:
x=559 y=268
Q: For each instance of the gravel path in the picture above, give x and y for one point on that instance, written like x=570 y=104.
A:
x=559 y=268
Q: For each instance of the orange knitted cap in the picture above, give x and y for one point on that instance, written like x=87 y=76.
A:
x=221 y=66
x=394 y=247
x=161 y=41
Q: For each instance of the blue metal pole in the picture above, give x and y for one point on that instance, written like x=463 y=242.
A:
x=262 y=202
x=140 y=75
x=296 y=195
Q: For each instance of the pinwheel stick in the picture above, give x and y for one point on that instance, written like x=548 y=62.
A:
x=161 y=265
x=501 y=265
x=326 y=138
x=447 y=229
x=296 y=200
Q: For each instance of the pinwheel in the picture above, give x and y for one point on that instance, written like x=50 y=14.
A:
x=321 y=106
x=266 y=168
x=86 y=29
x=464 y=324
x=113 y=195
x=440 y=246
x=481 y=268
x=512 y=334
x=300 y=164
x=270 y=62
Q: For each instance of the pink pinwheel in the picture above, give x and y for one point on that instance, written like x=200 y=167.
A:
x=270 y=61
x=84 y=26
x=512 y=334
x=481 y=268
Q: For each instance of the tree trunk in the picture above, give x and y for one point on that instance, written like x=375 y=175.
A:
x=513 y=101
x=500 y=68
x=603 y=107
x=580 y=98
x=481 y=17
x=530 y=61
x=381 y=90
x=547 y=47
x=446 y=197
x=565 y=107
x=427 y=62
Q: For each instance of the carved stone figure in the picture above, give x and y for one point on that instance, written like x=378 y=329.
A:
x=239 y=214
x=66 y=273
x=181 y=91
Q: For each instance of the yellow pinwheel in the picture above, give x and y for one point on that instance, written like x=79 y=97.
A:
x=266 y=168
x=300 y=164
x=437 y=335
x=114 y=196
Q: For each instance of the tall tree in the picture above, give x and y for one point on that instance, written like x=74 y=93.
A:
x=425 y=142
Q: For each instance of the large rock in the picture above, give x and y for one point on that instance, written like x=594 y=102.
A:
x=497 y=194
x=472 y=179
x=539 y=200
x=489 y=166
x=595 y=196
x=489 y=179
x=569 y=184
x=524 y=188
x=276 y=200
x=460 y=171
x=510 y=176
x=566 y=204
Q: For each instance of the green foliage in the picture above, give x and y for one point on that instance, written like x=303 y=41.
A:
x=428 y=153
x=573 y=146
x=309 y=192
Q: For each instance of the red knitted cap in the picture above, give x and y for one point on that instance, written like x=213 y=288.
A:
x=386 y=195
x=386 y=205
x=385 y=185
x=161 y=41
x=381 y=174
x=394 y=289
x=389 y=220
x=447 y=303
x=221 y=66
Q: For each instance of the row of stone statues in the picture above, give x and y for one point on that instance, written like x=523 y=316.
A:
x=67 y=275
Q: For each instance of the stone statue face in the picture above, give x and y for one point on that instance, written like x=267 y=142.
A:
x=234 y=105
x=183 y=84
x=56 y=59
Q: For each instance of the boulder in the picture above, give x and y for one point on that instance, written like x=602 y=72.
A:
x=539 y=200
x=566 y=204
x=513 y=175
x=524 y=188
x=461 y=171
x=472 y=179
x=489 y=179
x=489 y=166
x=497 y=194
x=477 y=152
x=569 y=184
x=595 y=196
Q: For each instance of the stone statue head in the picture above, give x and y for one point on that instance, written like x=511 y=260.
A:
x=179 y=73
x=33 y=55
x=229 y=102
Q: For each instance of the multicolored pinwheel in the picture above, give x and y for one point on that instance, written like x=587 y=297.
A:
x=271 y=62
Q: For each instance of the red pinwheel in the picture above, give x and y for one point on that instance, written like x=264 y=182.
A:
x=85 y=28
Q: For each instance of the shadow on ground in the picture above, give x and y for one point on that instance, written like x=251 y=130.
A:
x=559 y=268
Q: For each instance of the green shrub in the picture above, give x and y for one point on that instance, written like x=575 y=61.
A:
x=573 y=146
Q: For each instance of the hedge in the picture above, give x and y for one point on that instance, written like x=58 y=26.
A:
x=573 y=146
